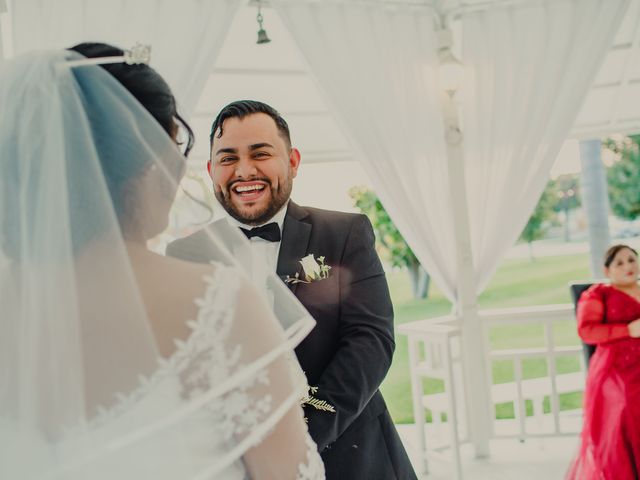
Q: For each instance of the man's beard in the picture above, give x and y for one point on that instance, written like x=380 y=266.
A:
x=279 y=197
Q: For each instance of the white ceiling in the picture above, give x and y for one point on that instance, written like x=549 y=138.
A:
x=276 y=73
x=613 y=103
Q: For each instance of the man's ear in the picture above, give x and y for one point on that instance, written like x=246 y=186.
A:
x=210 y=168
x=294 y=161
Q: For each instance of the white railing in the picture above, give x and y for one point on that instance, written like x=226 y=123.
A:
x=535 y=389
x=434 y=353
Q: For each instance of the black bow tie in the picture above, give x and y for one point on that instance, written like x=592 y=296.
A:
x=269 y=232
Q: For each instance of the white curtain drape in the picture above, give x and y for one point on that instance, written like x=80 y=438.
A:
x=377 y=68
x=528 y=70
x=3 y=14
x=185 y=36
x=528 y=67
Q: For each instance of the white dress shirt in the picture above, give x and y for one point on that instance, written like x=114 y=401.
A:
x=264 y=254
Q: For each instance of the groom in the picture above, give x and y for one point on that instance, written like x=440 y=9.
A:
x=348 y=353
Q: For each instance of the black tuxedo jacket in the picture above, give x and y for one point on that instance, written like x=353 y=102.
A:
x=349 y=352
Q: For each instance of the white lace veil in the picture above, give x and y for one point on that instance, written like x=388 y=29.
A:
x=85 y=392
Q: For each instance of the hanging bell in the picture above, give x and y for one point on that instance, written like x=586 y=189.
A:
x=262 y=33
x=262 y=37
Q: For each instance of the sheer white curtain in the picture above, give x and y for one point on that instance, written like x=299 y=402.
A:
x=3 y=13
x=377 y=67
x=186 y=35
x=528 y=68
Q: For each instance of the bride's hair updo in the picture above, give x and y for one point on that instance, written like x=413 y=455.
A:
x=120 y=167
x=125 y=148
x=145 y=84
x=86 y=114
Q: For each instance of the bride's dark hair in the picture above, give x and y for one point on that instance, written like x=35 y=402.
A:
x=113 y=136
x=145 y=84
x=122 y=167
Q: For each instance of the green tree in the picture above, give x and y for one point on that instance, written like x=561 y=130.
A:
x=542 y=217
x=623 y=177
x=390 y=242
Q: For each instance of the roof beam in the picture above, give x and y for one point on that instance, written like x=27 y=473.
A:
x=604 y=129
x=633 y=81
x=614 y=112
x=286 y=114
x=259 y=71
x=308 y=155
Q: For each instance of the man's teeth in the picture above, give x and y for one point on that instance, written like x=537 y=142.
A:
x=249 y=188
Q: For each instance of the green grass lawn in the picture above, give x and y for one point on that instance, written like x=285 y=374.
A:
x=516 y=283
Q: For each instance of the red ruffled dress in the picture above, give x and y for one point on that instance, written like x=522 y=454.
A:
x=610 y=447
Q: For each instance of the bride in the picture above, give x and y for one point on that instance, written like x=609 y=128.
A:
x=115 y=361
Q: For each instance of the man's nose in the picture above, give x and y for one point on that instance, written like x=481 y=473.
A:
x=245 y=168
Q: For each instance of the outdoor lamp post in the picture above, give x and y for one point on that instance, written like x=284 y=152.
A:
x=564 y=199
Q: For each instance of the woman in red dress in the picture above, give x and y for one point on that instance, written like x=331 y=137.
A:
x=609 y=317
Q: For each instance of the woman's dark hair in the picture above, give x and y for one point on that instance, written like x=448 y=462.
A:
x=121 y=163
x=242 y=108
x=145 y=84
x=613 y=251
x=121 y=155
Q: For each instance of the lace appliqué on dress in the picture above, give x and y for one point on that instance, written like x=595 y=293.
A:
x=314 y=468
x=201 y=361
x=212 y=360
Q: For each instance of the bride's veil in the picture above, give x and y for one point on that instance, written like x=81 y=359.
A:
x=85 y=391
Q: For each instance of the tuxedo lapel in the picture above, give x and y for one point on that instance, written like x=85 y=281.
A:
x=295 y=240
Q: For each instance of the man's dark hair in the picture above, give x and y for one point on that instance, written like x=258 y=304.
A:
x=242 y=108
x=613 y=251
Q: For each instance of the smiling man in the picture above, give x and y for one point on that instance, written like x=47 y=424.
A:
x=252 y=166
x=349 y=352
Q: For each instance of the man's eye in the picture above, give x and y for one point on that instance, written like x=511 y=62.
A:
x=227 y=160
x=260 y=154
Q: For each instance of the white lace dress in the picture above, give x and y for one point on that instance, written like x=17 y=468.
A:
x=202 y=438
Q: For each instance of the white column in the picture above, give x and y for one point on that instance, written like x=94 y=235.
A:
x=479 y=409
x=595 y=201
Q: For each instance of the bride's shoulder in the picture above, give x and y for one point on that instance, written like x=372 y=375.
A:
x=185 y=266
x=195 y=268
x=175 y=291
x=183 y=272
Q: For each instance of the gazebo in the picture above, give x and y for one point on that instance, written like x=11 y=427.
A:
x=456 y=110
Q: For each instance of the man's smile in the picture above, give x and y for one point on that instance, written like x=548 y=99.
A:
x=249 y=191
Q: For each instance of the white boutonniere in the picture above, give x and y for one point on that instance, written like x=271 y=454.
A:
x=314 y=269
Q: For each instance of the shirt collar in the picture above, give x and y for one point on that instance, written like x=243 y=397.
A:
x=277 y=218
